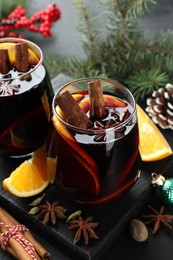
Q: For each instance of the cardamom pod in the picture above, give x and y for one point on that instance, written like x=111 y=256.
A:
x=138 y=230
x=34 y=210
x=37 y=201
x=74 y=215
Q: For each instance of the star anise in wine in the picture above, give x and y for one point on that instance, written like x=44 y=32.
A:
x=99 y=125
x=115 y=120
x=158 y=218
x=85 y=229
x=7 y=88
x=51 y=212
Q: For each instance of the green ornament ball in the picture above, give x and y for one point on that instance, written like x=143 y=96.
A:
x=165 y=192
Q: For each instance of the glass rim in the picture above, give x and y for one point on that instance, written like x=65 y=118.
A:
x=30 y=43
x=93 y=131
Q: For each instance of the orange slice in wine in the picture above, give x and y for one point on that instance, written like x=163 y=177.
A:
x=33 y=58
x=109 y=101
x=78 y=97
x=86 y=180
x=81 y=176
x=71 y=142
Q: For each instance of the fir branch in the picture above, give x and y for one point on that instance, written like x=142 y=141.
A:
x=143 y=82
x=126 y=53
x=73 y=67
x=88 y=28
x=138 y=9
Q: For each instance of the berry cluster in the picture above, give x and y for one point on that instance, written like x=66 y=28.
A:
x=39 y=22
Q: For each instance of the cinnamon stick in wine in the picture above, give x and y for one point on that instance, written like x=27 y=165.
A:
x=72 y=111
x=97 y=107
x=21 y=57
x=4 y=61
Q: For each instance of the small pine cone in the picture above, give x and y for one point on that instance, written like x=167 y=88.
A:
x=160 y=107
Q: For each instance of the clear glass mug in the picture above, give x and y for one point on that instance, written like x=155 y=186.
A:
x=100 y=164
x=25 y=101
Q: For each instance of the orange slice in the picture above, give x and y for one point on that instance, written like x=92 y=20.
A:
x=86 y=181
x=71 y=141
x=29 y=179
x=109 y=101
x=82 y=177
x=51 y=168
x=78 y=97
x=153 y=145
x=32 y=176
x=46 y=163
x=33 y=58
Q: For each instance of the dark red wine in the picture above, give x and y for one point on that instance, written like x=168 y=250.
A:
x=24 y=114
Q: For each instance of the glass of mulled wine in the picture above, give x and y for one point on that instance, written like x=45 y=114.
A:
x=25 y=97
x=97 y=148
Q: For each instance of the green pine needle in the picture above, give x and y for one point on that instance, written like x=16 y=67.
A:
x=143 y=82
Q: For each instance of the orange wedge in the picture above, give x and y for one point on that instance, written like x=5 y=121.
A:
x=48 y=163
x=32 y=176
x=33 y=58
x=29 y=179
x=153 y=145
x=51 y=168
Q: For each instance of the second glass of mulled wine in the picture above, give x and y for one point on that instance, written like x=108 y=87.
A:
x=25 y=97
x=96 y=140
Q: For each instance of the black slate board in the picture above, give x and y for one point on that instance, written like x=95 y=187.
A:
x=112 y=216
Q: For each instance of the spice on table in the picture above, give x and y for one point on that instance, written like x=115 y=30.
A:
x=51 y=212
x=20 y=243
x=85 y=228
x=74 y=215
x=138 y=230
x=158 y=218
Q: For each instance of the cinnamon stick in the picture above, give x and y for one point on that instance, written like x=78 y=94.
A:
x=8 y=248
x=72 y=111
x=4 y=61
x=19 y=250
x=41 y=252
x=97 y=107
x=21 y=57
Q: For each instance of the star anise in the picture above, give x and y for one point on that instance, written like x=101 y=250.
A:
x=84 y=228
x=106 y=124
x=101 y=137
x=7 y=88
x=51 y=212
x=158 y=218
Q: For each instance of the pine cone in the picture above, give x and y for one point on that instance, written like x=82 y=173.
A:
x=160 y=107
